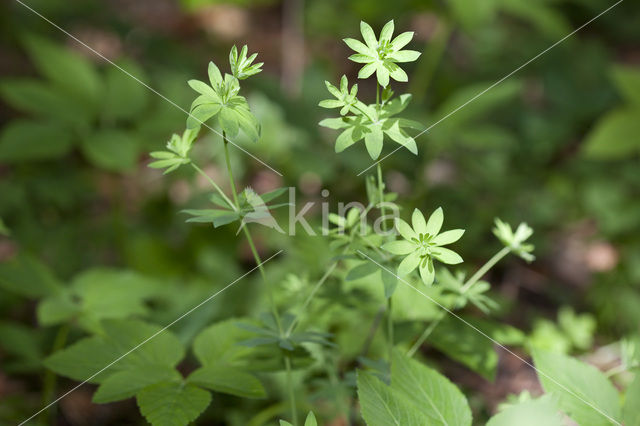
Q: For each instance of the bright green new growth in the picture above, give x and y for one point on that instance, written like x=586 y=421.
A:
x=220 y=98
x=345 y=100
x=515 y=240
x=241 y=67
x=178 y=151
x=422 y=243
x=372 y=122
x=381 y=55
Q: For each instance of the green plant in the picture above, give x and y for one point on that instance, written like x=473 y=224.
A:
x=323 y=346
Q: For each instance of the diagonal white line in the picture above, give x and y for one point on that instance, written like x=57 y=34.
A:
x=150 y=337
x=493 y=340
x=496 y=83
x=147 y=86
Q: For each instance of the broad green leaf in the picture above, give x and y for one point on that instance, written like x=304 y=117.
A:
x=26 y=276
x=26 y=140
x=631 y=408
x=583 y=391
x=383 y=406
x=113 y=150
x=615 y=136
x=36 y=97
x=98 y=294
x=218 y=345
x=535 y=412
x=124 y=97
x=22 y=346
x=418 y=395
x=143 y=343
x=172 y=404
x=229 y=380
x=439 y=399
x=67 y=69
x=127 y=383
x=57 y=309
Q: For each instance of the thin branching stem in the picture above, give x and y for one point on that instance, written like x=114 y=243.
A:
x=470 y=282
x=247 y=233
x=292 y=394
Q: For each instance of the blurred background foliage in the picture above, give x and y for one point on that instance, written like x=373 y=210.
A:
x=556 y=145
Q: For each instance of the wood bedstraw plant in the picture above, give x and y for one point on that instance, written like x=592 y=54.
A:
x=238 y=356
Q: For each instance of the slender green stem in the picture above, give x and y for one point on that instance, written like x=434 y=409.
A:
x=227 y=159
x=372 y=331
x=384 y=228
x=215 y=185
x=426 y=333
x=485 y=268
x=377 y=96
x=50 y=378
x=247 y=233
x=315 y=289
x=381 y=196
x=390 y=329
x=474 y=279
x=292 y=394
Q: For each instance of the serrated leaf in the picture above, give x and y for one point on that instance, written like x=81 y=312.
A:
x=383 y=406
x=583 y=392
x=417 y=396
x=440 y=400
x=172 y=404
x=88 y=356
x=535 y=412
x=125 y=384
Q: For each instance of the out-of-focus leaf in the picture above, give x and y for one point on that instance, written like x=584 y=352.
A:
x=28 y=277
x=628 y=81
x=124 y=97
x=225 y=379
x=26 y=140
x=615 y=136
x=88 y=356
x=67 y=69
x=172 y=404
x=35 y=97
x=418 y=395
x=113 y=150
x=534 y=412
x=583 y=392
x=125 y=384
x=631 y=408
